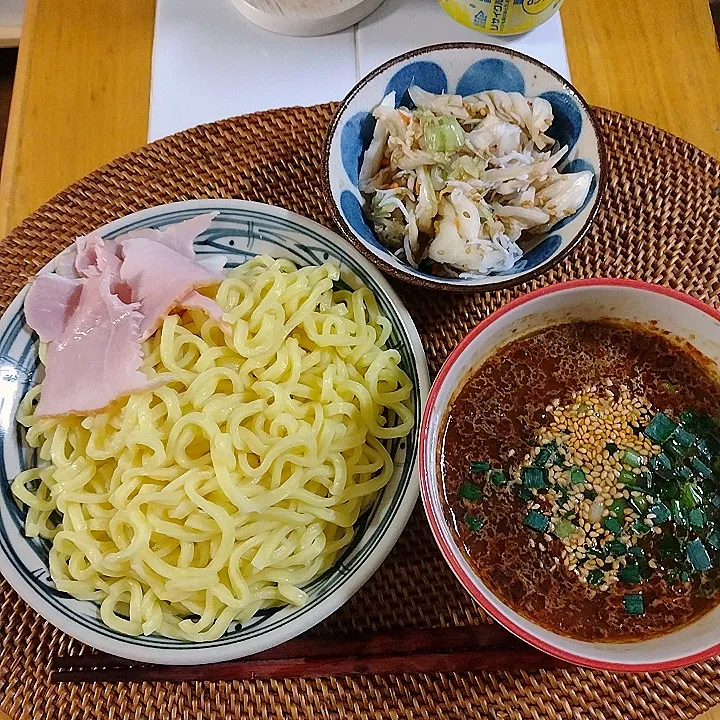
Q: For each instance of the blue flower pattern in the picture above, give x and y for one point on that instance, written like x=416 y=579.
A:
x=355 y=140
x=491 y=74
x=481 y=76
x=427 y=75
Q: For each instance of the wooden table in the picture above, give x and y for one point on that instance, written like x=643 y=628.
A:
x=82 y=89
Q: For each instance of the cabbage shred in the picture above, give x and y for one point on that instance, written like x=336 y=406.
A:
x=458 y=180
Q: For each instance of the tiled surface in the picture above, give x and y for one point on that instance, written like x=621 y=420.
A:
x=209 y=62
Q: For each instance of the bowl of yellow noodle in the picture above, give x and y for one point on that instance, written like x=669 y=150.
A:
x=252 y=492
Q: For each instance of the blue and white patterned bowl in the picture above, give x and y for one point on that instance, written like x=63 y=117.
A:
x=462 y=68
x=240 y=231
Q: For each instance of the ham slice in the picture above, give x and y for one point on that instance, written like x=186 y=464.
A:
x=159 y=278
x=111 y=295
x=197 y=301
x=95 y=255
x=212 y=262
x=96 y=359
x=50 y=302
x=179 y=237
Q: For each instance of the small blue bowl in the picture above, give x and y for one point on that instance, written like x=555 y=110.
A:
x=464 y=69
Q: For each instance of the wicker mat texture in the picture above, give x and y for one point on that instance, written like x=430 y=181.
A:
x=659 y=221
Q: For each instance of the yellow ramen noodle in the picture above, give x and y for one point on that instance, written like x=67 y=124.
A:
x=223 y=491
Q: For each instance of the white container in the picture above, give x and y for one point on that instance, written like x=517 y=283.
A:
x=306 y=17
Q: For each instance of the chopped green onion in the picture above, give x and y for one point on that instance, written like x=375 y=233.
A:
x=675 y=452
x=634 y=604
x=536 y=521
x=479 y=466
x=599 y=552
x=474 y=523
x=660 y=462
x=470 y=491
x=696 y=517
x=645 y=481
x=628 y=478
x=661 y=513
x=497 y=477
x=685 y=473
x=525 y=495
x=639 y=504
x=684 y=577
x=660 y=428
x=618 y=508
x=708 y=447
x=595 y=577
x=616 y=548
x=639 y=528
x=670 y=491
x=713 y=540
x=687 y=417
x=677 y=512
x=633 y=459
x=589 y=493
x=564 y=529
x=629 y=574
x=701 y=468
x=577 y=476
x=613 y=525
x=697 y=555
x=690 y=496
x=534 y=477
x=545 y=455
x=682 y=437
x=637 y=551
x=715 y=500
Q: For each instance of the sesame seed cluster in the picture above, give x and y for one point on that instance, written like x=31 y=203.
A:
x=588 y=442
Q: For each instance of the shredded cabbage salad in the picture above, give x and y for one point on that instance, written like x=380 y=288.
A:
x=457 y=180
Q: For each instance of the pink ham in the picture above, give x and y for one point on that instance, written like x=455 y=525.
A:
x=159 y=278
x=197 y=301
x=179 y=237
x=50 y=302
x=96 y=359
x=95 y=255
x=110 y=296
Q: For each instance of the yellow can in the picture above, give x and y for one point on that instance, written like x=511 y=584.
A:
x=501 y=17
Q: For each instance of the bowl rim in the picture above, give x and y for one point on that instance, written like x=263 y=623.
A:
x=427 y=477
x=198 y=653
x=431 y=282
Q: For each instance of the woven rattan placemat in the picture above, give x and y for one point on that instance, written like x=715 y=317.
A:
x=660 y=221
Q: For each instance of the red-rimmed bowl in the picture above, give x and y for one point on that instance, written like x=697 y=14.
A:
x=596 y=299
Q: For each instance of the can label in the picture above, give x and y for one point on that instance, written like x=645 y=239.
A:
x=501 y=17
